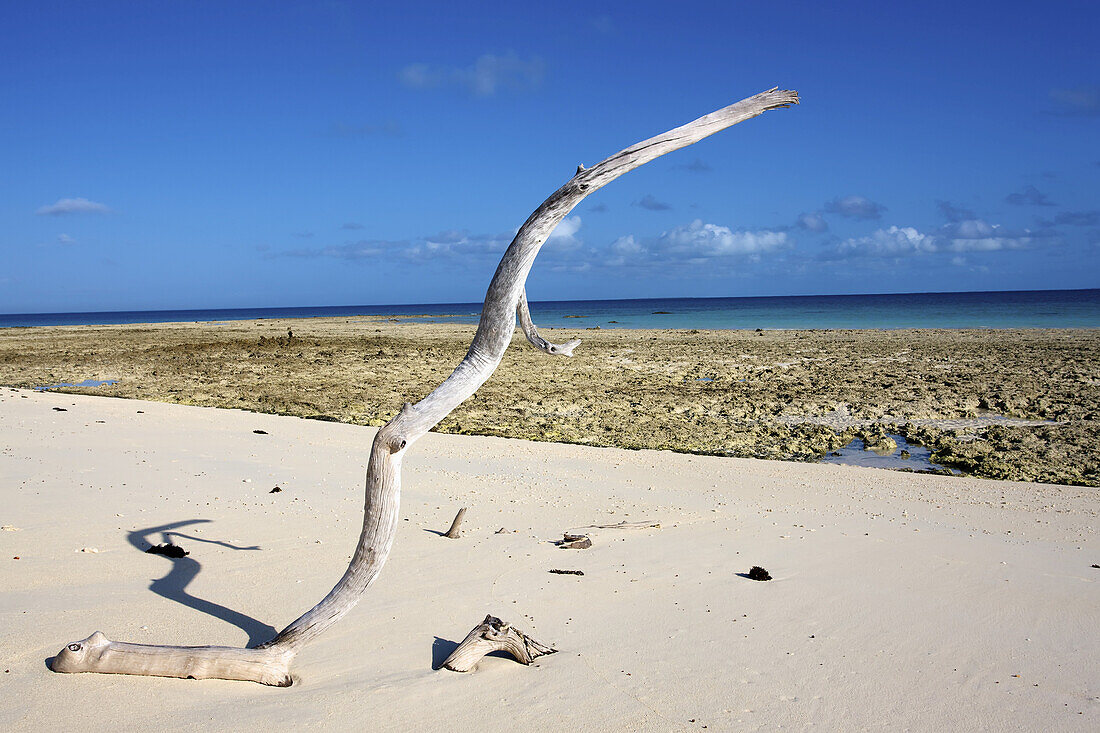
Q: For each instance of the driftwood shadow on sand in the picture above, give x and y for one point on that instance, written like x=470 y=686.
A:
x=173 y=586
x=441 y=649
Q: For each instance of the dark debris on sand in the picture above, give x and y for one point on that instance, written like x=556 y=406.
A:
x=168 y=550
x=758 y=573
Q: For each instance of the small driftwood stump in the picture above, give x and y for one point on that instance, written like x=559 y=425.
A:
x=494 y=635
x=574 y=542
x=454 y=532
x=505 y=303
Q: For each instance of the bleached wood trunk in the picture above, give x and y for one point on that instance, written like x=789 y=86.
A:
x=505 y=300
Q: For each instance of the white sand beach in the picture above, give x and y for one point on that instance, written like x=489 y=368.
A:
x=899 y=601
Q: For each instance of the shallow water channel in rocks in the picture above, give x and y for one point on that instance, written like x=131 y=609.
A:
x=906 y=455
x=85 y=383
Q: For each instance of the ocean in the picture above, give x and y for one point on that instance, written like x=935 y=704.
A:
x=1005 y=309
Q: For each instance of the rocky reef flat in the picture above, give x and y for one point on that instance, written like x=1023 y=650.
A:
x=1006 y=404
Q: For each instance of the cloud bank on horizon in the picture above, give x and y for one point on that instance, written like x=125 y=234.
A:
x=335 y=155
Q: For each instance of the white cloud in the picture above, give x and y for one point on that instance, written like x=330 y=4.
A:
x=72 y=206
x=65 y=239
x=626 y=245
x=699 y=240
x=564 y=235
x=976 y=235
x=971 y=235
x=486 y=76
x=892 y=242
x=625 y=249
x=813 y=222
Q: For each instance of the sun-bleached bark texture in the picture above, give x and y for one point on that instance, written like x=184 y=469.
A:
x=532 y=332
x=456 y=526
x=494 y=635
x=269 y=663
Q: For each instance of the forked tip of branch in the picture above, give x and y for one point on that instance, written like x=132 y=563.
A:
x=565 y=349
x=779 y=98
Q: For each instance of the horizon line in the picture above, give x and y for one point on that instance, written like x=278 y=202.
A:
x=573 y=300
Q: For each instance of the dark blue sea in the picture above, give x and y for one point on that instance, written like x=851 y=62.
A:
x=1009 y=309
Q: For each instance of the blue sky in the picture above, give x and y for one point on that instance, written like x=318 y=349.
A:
x=194 y=154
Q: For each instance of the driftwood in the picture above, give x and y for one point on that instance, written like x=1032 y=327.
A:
x=97 y=653
x=494 y=635
x=623 y=525
x=574 y=542
x=454 y=532
x=505 y=301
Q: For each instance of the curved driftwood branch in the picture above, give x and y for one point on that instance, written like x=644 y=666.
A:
x=494 y=635
x=532 y=332
x=269 y=662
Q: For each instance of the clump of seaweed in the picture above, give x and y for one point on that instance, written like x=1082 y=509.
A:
x=758 y=573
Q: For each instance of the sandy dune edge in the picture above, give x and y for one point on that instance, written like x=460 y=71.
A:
x=899 y=601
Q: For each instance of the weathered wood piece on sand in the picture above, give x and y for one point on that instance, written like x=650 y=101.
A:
x=494 y=635
x=455 y=532
x=574 y=542
x=505 y=301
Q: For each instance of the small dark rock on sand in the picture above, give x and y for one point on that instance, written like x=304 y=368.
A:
x=168 y=550
x=567 y=572
x=276 y=490
x=59 y=409
x=260 y=432
x=759 y=573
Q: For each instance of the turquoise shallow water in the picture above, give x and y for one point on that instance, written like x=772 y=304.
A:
x=1012 y=309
